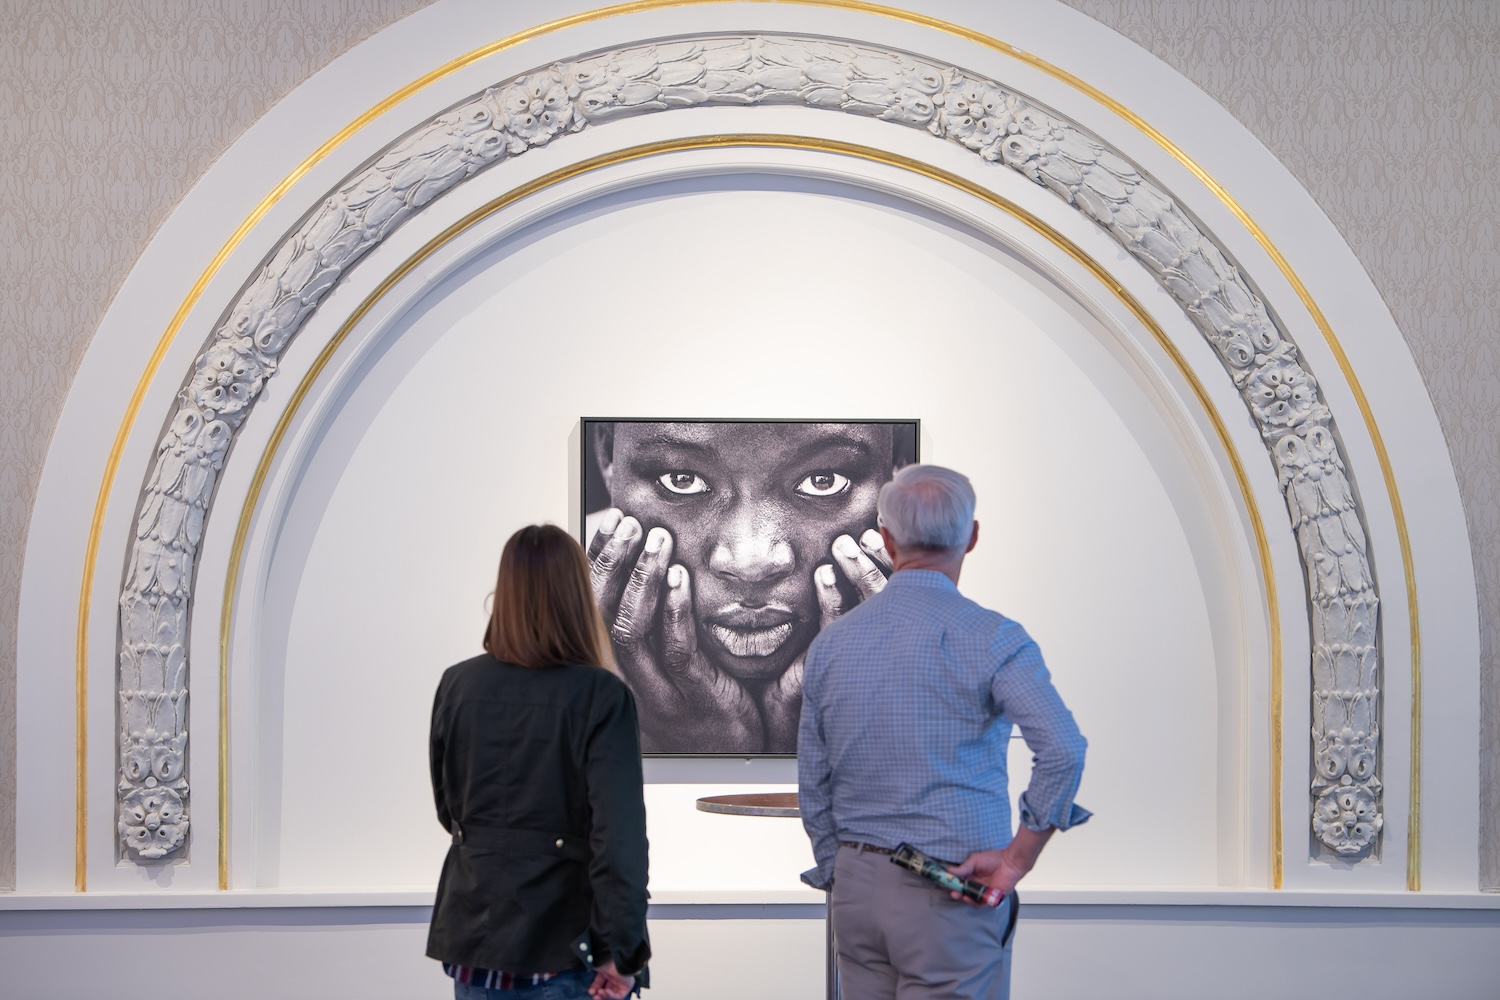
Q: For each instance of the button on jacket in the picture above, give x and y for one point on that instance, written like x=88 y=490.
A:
x=537 y=776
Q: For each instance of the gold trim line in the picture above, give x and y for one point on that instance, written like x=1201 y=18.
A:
x=760 y=141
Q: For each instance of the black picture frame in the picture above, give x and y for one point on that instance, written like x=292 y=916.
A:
x=748 y=524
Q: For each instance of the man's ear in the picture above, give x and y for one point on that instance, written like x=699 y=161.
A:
x=602 y=440
x=973 y=539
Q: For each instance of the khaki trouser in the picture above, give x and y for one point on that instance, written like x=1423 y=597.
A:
x=901 y=937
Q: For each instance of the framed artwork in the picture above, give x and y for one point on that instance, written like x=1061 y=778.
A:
x=718 y=549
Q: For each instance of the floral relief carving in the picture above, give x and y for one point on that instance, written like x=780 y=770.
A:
x=507 y=120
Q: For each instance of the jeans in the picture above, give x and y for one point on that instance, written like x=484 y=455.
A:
x=571 y=985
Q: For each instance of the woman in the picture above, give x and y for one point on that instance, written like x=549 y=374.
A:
x=536 y=769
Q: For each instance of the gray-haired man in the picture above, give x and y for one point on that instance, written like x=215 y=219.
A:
x=908 y=703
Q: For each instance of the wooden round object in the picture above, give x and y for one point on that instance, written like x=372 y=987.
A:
x=752 y=804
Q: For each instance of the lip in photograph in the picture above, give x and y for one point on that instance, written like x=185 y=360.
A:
x=746 y=631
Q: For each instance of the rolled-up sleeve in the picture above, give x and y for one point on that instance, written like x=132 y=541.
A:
x=1023 y=693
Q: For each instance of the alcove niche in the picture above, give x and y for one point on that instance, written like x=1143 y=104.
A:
x=778 y=289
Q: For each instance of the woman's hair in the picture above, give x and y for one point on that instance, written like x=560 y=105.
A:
x=928 y=507
x=544 y=613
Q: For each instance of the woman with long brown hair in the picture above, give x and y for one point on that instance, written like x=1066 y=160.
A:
x=536 y=769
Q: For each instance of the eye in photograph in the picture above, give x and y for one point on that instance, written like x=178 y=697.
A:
x=823 y=484
x=683 y=483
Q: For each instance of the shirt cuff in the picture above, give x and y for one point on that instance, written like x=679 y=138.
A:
x=816 y=878
x=1076 y=814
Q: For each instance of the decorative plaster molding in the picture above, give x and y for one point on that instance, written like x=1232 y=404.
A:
x=528 y=111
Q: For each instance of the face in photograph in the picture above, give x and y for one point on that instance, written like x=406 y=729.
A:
x=725 y=548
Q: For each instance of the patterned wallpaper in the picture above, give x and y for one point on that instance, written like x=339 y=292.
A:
x=1386 y=111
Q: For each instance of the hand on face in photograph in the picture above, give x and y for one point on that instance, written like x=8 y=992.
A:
x=647 y=601
x=676 y=688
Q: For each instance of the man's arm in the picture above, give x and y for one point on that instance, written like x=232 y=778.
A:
x=815 y=787
x=1023 y=692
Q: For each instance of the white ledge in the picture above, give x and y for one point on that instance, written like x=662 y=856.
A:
x=676 y=900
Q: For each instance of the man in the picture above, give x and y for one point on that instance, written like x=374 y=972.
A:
x=723 y=548
x=908 y=703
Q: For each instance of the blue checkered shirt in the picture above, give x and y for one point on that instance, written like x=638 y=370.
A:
x=907 y=706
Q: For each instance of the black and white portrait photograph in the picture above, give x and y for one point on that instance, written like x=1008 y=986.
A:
x=718 y=549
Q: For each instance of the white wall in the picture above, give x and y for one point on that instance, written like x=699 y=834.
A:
x=467 y=427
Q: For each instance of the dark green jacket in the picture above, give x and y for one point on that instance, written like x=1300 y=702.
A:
x=537 y=775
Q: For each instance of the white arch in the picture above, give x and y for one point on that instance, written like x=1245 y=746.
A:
x=858 y=95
